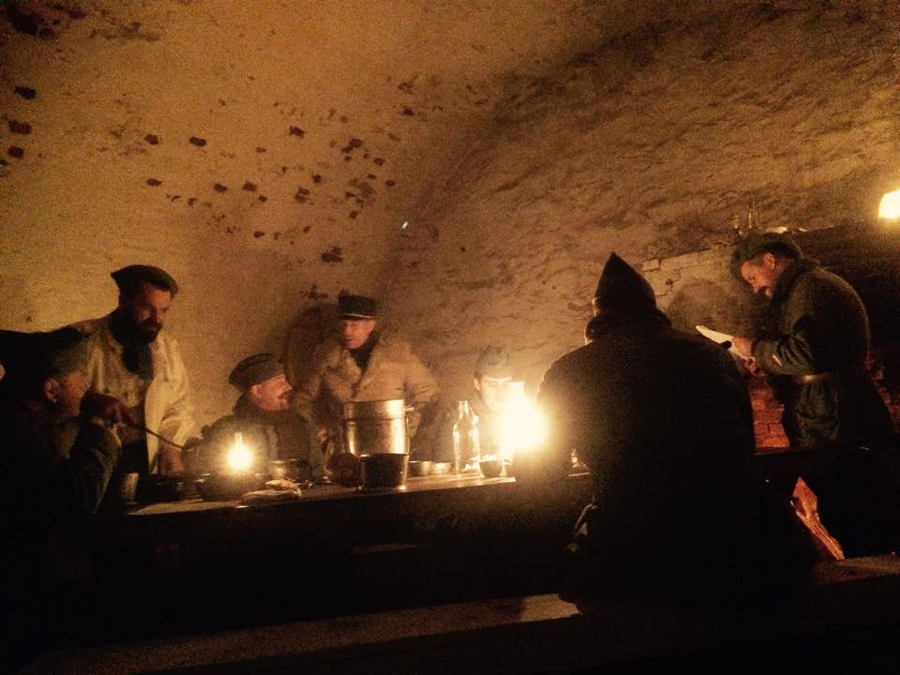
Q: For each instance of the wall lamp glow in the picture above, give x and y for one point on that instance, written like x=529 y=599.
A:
x=889 y=208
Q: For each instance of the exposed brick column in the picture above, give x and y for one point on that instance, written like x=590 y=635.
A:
x=766 y=415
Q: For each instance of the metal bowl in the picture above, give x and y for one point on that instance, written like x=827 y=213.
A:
x=441 y=468
x=421 y=467
x=290 y=469
x=491 y=468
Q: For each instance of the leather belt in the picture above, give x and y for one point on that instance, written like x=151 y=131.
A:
x=822 y=377
x=809 y=379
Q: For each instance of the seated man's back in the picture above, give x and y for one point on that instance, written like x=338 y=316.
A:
x=663 y=421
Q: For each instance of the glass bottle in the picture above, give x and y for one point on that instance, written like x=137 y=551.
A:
x=466 y=438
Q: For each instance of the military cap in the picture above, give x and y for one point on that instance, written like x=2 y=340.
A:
x=356 y=306
x=621 y=286
x=493 y=361
x=755 y=243
x=254 y=370
x=37 y=356
x=130 y=278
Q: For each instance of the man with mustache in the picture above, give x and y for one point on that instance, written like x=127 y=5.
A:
x=263 y=417
x=134 y=360
x=814 y=351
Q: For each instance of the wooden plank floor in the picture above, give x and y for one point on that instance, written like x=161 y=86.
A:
x=523 y=634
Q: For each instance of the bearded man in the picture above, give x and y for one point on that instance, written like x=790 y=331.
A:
x=814 y=355
x=133 y=360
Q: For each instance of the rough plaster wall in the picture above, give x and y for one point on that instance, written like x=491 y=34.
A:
x=264 y=152
x=654 y=143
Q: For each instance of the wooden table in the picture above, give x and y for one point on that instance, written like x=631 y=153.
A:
x=337 y=551
x=423 y=512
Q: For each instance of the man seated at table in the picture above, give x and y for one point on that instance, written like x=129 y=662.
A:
x=663 y=421
x=263 y=417
x=364 y=364
x=488 y=399
x=47 y=488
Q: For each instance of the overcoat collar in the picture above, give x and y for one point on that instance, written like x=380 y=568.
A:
x=790 y=276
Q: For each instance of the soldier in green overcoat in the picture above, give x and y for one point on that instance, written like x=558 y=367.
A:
x=814 y=355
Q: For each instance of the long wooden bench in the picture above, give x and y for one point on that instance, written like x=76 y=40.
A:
x=847 y=604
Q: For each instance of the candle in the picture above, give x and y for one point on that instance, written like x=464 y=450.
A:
x=240 y=457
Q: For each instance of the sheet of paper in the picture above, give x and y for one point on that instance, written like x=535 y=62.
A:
x=720 y=338
x=714 y=335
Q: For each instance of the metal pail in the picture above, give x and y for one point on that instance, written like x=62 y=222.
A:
x=373 y=427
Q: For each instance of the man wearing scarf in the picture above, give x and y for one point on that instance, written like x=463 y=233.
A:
x=132 y=359
x=663 y=421
x=814 y=355
x=262 y=415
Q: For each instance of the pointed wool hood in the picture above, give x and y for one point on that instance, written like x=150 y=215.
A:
x=622 y=287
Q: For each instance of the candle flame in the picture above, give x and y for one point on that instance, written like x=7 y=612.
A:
x=240 y=457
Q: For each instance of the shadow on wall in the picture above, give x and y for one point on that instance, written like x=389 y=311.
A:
x=721 y=306
x=309 y=329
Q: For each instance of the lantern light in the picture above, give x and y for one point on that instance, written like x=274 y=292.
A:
x=889 y=209
x=240 y=457
x=523 y=427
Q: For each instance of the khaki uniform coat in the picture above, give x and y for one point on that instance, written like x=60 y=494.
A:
x=167 y=405
x=393 y=371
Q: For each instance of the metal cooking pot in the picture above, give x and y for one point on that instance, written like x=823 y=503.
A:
x=376 y=427
x=385 y=470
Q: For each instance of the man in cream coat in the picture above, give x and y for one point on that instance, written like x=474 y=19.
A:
x=131 y=359
x=363 y=365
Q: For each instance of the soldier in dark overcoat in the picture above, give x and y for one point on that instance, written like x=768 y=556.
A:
x=663 y=421
x=815 y=355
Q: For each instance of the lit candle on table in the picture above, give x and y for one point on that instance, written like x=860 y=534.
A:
x=240 y=457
